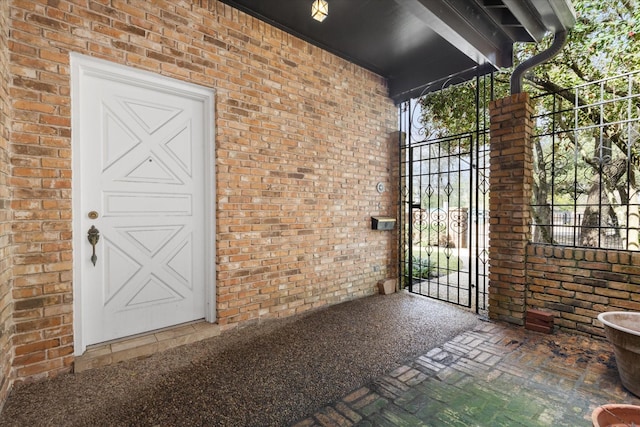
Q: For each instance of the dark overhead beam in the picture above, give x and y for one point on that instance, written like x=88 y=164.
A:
x=539 y=17
x=444 y=20
x=464 y=25
x=556 y=15
x=526 y=14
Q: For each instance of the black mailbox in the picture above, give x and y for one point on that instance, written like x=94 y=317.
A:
x=382 y=223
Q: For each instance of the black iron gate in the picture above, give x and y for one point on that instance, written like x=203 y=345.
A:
x=444 y=215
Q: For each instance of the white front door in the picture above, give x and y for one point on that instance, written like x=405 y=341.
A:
x=141 y=185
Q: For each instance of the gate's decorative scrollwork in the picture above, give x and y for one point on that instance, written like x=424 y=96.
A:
x=439 y=227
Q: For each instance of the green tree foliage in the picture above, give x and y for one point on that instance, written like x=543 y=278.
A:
x=454 y=110
x=604 y=42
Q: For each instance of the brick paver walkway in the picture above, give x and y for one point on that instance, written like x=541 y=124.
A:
x=497 y=375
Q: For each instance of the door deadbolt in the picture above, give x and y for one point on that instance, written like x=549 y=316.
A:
x=93 y=215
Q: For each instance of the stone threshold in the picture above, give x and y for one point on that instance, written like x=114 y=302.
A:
x=144 y=345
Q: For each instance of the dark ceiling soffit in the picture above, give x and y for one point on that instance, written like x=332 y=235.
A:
x=495 y=49
x=398 y=96
x=476 y=36
x=481 y=30
x=304 y=37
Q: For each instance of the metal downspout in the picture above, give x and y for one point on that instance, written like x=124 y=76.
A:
x=559 y=41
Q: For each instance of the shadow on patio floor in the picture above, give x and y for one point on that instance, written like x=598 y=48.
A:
x=444 y=367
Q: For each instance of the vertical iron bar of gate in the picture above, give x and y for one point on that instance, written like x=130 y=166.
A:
x=410 y=195
x=576 y=157
x=601 y=166
x=408 y=205
x=460 y=242
x=481 y=107
x=401 y=214
x=438 y=193
x=473 y=243
x=630 y=159
x=553 y=167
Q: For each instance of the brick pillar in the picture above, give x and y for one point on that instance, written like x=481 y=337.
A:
x=509 y=203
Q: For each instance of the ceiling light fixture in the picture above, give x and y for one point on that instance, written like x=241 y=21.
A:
x=319 y=10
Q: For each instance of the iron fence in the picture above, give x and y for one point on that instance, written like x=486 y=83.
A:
x=586 y=148
x=567 y=231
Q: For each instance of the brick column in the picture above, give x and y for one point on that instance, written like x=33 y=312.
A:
x=510 y=197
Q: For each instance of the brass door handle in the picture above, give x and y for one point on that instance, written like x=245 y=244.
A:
x=93 y=235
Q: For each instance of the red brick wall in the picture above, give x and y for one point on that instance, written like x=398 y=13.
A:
x=578 y=284
x=6 y=300
x=509 y=199
x=302 y=138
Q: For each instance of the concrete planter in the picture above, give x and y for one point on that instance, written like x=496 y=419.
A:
x=623 y=331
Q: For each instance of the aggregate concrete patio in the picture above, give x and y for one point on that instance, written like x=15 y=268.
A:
x=391 y=360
